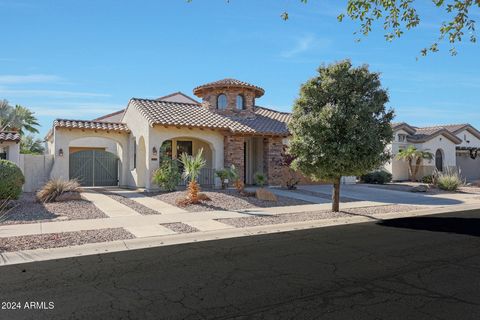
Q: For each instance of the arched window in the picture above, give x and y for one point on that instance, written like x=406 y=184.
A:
x=439 y=160
x=222 y=102
x=240 y=102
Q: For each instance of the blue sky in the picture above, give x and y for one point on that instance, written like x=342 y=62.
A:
x=82 y=59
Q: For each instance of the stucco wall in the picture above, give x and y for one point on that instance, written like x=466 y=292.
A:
x=13 y=150
x=399 y=168
x=63 y=139
x=36 y=169
x=108 y=144
x=468 y=139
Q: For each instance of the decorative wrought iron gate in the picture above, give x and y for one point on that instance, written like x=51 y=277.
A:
x=94 y=168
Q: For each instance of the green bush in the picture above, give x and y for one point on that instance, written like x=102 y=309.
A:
x=377 y=177
x=428 y=179
x=167 y=176
x=449 y=180
x=224 y=175
x=260 y=179
x=11 y=180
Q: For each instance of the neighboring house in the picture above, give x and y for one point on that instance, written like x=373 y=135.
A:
x=124 y=148
x=452 y=146
x=10 y=146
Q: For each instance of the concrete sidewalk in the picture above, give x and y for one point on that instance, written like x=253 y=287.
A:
x=8 y=258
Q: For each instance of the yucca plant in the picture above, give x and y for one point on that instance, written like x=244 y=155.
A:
x=449 y=179
x=192 y=165
x=56 y=187
x=5 y=208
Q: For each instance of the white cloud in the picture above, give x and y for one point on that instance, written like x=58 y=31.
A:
x=30 y=78
x=304 y=44
x=76 y=110
x=48 y=93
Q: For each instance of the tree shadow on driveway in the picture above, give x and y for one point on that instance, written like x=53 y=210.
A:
x=465 y=226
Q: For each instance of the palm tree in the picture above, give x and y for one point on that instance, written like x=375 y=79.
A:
x=17 y=118
x=192 y=165
x=31 y=145
x=414 y=158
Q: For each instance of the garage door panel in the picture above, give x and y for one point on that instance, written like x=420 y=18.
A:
x=94 y=168
x=470 y=168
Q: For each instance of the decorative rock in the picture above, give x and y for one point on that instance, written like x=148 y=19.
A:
x=264 y=194
x=420 y=188
x=68 y=196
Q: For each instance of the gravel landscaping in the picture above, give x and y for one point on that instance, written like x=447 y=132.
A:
x=314 y=215
x=226 y=200
x=180 y=227
x=64 y=239
x=140 y=208
x=28 y=210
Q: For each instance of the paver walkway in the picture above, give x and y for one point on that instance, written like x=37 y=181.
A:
x=149 y=230
x=149 y=202
x=108 y=205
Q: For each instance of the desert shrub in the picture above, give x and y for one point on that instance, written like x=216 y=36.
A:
x=224 y=175
x=449 y=180
x=55 y=188
x=377 y=177
x=167 y=176
x=235 y=177
x=428 y=179
x=260 y=179
x=11 y=180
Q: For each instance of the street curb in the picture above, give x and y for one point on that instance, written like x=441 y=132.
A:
x=18 y=257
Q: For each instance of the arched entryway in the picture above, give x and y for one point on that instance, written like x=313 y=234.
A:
x=439 y=159
x=171 y=150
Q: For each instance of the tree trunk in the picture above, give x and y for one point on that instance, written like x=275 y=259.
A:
x=336 y=195
x=417 y=166
x=410 y=170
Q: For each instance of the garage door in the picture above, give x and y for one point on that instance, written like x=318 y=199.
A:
x=470 y=168
x=94 y=168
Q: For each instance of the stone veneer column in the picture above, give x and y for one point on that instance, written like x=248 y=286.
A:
x=272 y=156
x=234 y=153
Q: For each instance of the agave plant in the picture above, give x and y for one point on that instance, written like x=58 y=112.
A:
x=192 y=165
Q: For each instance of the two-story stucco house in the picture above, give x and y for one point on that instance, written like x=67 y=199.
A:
x=453 y=146
x=124 y=148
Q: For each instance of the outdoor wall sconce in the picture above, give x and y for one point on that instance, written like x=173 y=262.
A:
x=60 y=152
x=154 y=151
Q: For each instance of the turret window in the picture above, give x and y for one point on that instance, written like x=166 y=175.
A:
x=222 y=102
x=240 y=102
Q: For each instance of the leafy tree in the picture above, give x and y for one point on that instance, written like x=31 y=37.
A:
x=340 y=126
x=399 y=16
x=31 y=145
x=192 y=165
x=402 y=15
x=414 y=158
x=17 y=118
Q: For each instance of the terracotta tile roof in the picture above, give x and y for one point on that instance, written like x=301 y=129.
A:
x=265 y=121
x=9 y=136
x=228 y=83
x=109 y=115
x=422 y=134
x=91 y=125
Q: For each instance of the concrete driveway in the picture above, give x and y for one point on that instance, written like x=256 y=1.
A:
x=371 y=193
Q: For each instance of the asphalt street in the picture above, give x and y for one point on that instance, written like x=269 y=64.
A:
x=411 y=268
